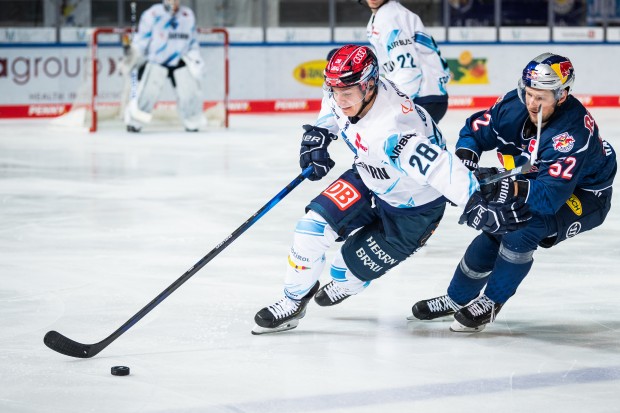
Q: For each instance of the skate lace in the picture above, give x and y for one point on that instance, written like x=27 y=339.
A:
x=284 y=308
x=443 y=303
x=481 y=306
x=334 y=292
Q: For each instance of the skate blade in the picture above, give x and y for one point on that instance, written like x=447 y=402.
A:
x=440 y=318
x=457 y=327
x=258 y=330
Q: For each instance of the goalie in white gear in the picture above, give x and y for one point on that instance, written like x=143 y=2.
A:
x=387 y=206
x=165 y=47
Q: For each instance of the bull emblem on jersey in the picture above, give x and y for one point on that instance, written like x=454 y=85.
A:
x=563 y=142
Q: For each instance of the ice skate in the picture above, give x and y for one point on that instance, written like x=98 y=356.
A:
x=476 y=315
x=330 y=294
x=283 y=315
x=434 y=308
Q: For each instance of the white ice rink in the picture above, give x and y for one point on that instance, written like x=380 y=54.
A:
x=93 y=227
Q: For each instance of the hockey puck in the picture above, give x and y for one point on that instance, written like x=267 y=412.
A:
x=120 y=371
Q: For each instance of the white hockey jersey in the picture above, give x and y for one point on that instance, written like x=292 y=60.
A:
x=407 y=55
x=164 y=38
x=399 y=151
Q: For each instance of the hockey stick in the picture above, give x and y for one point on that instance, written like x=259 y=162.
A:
x=525 y=168
x=134 y=73
x=68 y=347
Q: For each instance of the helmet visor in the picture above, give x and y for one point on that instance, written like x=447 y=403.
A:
x=346 y=97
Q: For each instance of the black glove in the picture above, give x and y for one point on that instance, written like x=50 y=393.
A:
x=501 y=191
x=314 y=153
x=495 y=217
x=484 y=173
x=504 y=190
x=468 y=157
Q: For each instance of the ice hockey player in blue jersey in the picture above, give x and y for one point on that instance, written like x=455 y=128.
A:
x=384 y=208
x=165 y=47
x=408 y=55
x=568 y=190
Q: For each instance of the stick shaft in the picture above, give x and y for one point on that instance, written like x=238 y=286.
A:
x=64 y=345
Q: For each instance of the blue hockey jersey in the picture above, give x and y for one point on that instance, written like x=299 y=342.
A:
x=571 y=153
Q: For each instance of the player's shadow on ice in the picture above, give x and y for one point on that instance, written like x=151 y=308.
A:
x=604 y=335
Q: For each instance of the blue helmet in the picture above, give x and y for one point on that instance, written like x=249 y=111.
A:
x=550 y=72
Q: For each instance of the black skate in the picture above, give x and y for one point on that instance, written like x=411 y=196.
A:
x=283 y=315
x=434 y=308
x=476 y=315
x=330 y=294
x=133 y=129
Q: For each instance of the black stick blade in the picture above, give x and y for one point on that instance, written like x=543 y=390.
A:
x=68 y=347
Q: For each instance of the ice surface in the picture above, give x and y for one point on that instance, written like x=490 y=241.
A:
x=95 y=226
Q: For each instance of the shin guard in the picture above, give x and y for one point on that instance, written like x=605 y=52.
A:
x=313 y=236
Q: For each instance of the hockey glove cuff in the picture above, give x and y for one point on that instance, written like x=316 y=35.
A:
x=495 y=217
x=468 y=157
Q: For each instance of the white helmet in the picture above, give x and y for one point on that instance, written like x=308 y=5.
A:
x=550 y=72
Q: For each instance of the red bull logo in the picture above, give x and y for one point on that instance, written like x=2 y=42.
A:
x=563 y=142
x=563 y=70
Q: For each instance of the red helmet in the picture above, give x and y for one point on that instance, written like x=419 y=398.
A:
x=351 y=65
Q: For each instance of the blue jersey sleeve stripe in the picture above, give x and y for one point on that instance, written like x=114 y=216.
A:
x=425 y=40
x=324 y=119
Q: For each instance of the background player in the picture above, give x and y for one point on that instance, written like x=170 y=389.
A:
x=408 y=55
x=166 y=47
x=395 y=194
x=569 y=191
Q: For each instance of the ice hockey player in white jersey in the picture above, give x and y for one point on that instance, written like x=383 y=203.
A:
x=408 y=55
x=388 y=204
x=165 y=47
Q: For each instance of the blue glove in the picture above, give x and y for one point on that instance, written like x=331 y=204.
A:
x=314 y=153
x=495 y=217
